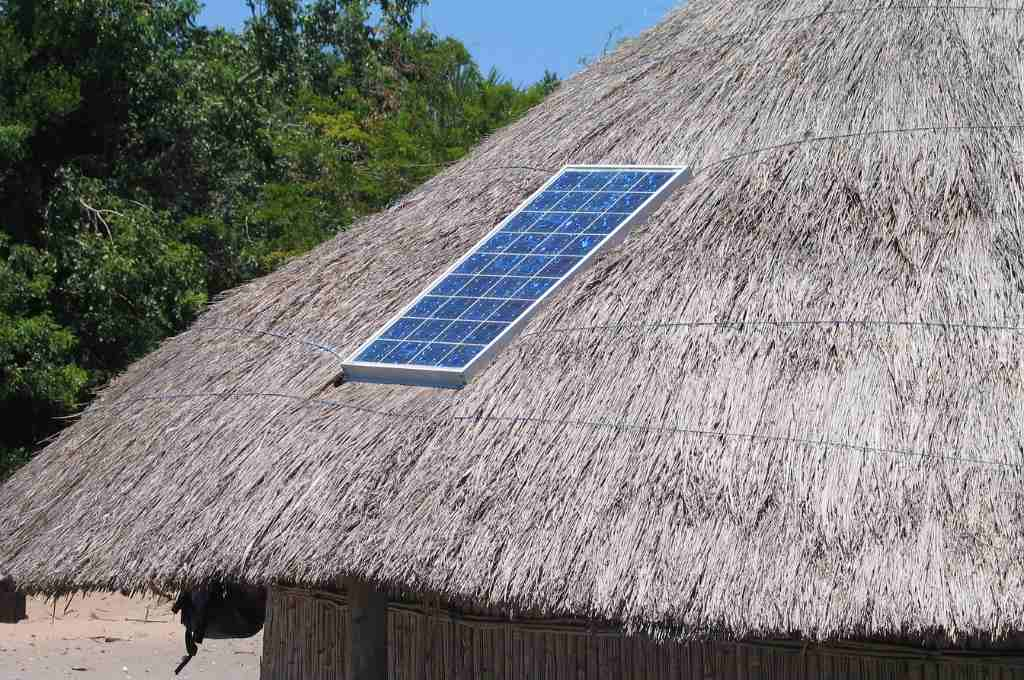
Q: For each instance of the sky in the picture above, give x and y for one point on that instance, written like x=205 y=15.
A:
x=521 y=38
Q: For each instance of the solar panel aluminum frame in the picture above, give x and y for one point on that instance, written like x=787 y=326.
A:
x=456 y=378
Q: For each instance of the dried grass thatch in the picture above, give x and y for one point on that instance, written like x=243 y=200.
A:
x=792 y=402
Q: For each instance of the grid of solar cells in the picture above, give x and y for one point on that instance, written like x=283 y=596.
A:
x=504 y=277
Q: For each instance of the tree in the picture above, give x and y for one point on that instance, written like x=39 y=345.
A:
x=148 y=164
x=76 y=75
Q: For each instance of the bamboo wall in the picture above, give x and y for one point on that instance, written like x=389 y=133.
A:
x=305 y=639
x=305 y=636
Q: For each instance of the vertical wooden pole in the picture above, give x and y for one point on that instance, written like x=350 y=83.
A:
x=369 y=633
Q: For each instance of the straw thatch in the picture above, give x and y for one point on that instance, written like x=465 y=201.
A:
x=789 y=403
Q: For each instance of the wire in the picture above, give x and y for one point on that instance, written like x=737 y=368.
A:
x=758 y=322
x=760 y=28
x=320 y=347
x=274 y=334
x=450 y=164
x=888 y=8
x=851 y=135
x=618 y=426
x=783 y=145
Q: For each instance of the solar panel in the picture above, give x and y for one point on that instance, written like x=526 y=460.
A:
x=461 y=321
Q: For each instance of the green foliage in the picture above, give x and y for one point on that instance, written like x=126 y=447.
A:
x=39 y=374
x=128 y=278
x=147 y=164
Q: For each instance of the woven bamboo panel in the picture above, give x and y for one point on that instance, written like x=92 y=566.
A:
x=305 y=639
x=435 y=646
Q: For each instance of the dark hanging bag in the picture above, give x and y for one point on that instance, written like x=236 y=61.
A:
x=12 y=603
x=219 y=612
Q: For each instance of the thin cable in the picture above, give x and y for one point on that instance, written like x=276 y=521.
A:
x=245 y=331
x=320 y=347
x=892 y=8
x=445 y=165
x=795 y=143
x=764 y=27
x=759 y=322
x=851 y=135
x=618 y=426
x=529 y=168
x=744 y=154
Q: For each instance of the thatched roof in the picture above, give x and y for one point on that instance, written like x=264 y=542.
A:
x=791 y=402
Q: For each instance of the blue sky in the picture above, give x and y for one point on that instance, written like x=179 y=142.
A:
x=520 y=38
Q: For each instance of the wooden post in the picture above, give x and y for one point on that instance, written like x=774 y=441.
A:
x=369 y=633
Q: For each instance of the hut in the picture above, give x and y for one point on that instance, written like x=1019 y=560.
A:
x=776 y=433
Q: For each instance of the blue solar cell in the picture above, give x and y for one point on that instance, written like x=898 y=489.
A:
x=457 y=331
x=526 y=244
x=426 y=307
x=503 y=264
x=474 y=264
x=451 y=285
x=554 y=244
x=550 y=222
x=583 y=245
x=486 y=333
x=577 y=224
x=522 y=221
x=479 y=286
x=406 y=352
x=481 y=310
x=601 y=202
x=535 y=288
x=653 y=181
x=574 y=200
x=401 y=329
x=376 y=352
x=498 y=243
x=624 y=181
x=531 y=264
x=461 y=356
x=454 y=308
x=429 y=331
x=606 y=224
x=568 y=181
x=629 y=202
x=432 y=355
x=546 y=200
x=508 y=287
x=559 y=266
x=595 y=181
x=510 y=311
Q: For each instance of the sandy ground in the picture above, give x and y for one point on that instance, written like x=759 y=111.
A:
x=115 y=638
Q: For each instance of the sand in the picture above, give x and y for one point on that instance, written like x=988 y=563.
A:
x=115 y=638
